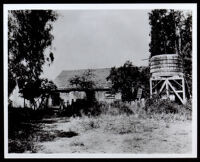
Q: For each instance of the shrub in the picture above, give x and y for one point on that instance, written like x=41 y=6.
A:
x=104 y=107
x=168 y=110
x=156 y=105
x=121 y=107
x=23 y=123
x=82 y=107
x=188 y=105
x=20 y=146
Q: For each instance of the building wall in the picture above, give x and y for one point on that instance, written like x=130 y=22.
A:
x=18 y=101
x=105 y=96
x=99 y=95
x=68 y=97
x=15 y=97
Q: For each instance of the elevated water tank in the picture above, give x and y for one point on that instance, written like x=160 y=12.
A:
x=166 y=65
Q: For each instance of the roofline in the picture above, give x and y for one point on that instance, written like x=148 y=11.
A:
x=85 y=69
x=164 y=55
x=67 y=90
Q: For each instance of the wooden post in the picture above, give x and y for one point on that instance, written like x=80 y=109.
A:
x=163 y=85
x=167 y=88
x=183 y=87
x=150 y=87
x=176 y=93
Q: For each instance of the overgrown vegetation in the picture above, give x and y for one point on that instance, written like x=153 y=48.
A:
x=26 y=125
x=155 y=105
x=133 y=120
x=127 y=79
x=120 y=117
x=85 y=83
x=23 y=124
x=81 y=107
x=29 y=42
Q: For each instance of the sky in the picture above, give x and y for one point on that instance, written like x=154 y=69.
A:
x=87 y=39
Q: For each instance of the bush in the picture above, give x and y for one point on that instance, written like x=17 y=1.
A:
x=156 y=105
x=188 y=105
x=121 y=107
x=20 y=146
x=23 y=123
x=81 y=107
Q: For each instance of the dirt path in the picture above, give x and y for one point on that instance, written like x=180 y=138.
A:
x=154 y=137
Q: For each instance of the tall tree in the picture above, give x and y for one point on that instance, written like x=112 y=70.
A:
x=163 y=31
x=143 y=81
x=29 y=35
x=186 y=49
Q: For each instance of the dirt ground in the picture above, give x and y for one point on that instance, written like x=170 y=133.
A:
x=154 y=137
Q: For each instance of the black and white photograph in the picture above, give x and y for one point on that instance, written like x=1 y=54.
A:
x=100 y=80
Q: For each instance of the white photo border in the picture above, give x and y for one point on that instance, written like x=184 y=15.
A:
x=178 y=6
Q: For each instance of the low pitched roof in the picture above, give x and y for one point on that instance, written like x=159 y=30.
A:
x=100 y=75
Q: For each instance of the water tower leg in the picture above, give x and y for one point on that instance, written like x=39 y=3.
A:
x=183 y=85
x=150 y=87
x=167 y=89
x=176 y=92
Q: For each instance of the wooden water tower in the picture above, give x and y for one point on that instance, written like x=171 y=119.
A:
x=167 y=79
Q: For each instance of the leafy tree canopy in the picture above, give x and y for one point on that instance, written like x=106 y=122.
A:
x=29 y=35
x=85 y=82
x=127 y=78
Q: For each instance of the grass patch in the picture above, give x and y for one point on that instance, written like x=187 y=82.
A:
x=137 y=119
x=118 y=118
x=77 y=143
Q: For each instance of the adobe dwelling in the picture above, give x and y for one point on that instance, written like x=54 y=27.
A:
x=70 y=94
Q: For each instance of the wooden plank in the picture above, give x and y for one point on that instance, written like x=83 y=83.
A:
x=109 y=95
x=166 y=64
x=139 y=93
x=168 y=74
x=156 y=84
x=166 y=69
x=166 y=60
x=164 y=83
x=167 y=89
x=170 y=61
x=183 y=85
x=179 y=91
x=150 y=82
x=177 y=83
x=158 y=76
x=176 y=92
x=165 y=56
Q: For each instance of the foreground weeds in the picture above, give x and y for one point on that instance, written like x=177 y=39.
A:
x=124 y=118
x=114 y=119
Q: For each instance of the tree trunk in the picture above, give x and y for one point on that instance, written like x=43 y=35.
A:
x=24 y=103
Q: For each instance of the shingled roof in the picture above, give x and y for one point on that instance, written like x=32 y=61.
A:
x=100 y=75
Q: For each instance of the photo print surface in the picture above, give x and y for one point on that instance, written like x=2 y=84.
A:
x=100 y=81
